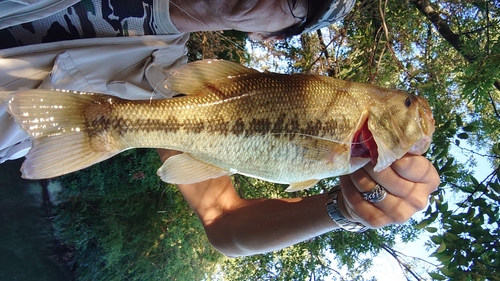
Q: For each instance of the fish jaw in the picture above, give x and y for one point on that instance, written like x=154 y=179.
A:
x=421 y=146
x=427 y=125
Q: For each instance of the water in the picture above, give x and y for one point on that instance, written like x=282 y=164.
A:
x=26 y=241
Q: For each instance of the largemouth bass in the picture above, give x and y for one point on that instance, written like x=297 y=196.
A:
x=292 y=129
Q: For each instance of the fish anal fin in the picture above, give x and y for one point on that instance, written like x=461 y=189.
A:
x=189 y=79
x=296 y=186
x=184 y=169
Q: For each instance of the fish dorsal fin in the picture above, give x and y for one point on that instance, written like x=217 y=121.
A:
x=296 y=186
x=190 y=78
x=184 y=169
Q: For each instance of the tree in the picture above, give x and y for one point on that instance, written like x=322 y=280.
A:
x=447 y=51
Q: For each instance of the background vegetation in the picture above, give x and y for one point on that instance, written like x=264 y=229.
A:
x=120 y=222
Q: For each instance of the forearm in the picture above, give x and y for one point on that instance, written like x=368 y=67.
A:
x=239 y=227
x=255 y=226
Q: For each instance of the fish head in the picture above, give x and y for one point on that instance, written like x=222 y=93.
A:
x=400 y=123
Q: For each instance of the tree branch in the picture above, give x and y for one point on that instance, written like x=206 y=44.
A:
x=493 y=104
x=431 y=13
x=402 y=263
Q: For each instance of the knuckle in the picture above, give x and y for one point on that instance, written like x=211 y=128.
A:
x=375 y=221
x=401 y=218
x=379 y=223
x=420 y=203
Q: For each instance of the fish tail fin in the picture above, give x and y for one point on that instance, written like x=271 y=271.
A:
x=5 y=96
x=61 y=141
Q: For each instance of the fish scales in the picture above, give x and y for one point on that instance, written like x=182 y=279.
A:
x=277 y=114
x=293 y=129
x=206 y=126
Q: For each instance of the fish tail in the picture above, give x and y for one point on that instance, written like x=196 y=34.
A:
x=56 y=123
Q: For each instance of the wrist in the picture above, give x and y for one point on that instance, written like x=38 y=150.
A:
x=335 y=213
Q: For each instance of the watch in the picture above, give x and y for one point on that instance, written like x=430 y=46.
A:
x=333 y=210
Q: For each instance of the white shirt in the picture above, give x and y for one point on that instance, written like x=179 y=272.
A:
x=128 y=67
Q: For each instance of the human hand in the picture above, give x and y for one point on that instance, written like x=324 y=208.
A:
x=409 y=181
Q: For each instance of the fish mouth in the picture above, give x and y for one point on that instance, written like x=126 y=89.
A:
x=363 y=144
x=427 y=125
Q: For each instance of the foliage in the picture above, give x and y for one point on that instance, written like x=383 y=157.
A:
x=228 y=45
x=122 y=222
x=447 y=51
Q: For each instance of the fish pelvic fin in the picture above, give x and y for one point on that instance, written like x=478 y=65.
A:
x=296 y=186
x=184 y=169
x=61 y=142
x=191 y=78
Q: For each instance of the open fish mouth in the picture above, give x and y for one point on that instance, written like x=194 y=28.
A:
x=363 y=144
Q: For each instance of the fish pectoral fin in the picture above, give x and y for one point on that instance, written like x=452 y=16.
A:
x=296 y=186
x=184 y=169
x=189 y=79
x=321 y=149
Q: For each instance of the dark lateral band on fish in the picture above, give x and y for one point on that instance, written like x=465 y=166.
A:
x=123 y=125
x=294 y=129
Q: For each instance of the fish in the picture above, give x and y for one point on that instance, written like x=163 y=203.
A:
x=293 y=129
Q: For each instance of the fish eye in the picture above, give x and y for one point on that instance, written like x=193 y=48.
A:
x=409 y=100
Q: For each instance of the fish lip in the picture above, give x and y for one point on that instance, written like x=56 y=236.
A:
x=424 y=115
x=421 y=146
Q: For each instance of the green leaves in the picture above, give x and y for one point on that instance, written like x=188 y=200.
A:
x=124 y=223
x=144 y=230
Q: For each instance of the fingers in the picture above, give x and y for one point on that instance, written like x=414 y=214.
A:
x=390 y=210
x=409 y=181
x=356 y=207
x=411 y=178
x=409 y=169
